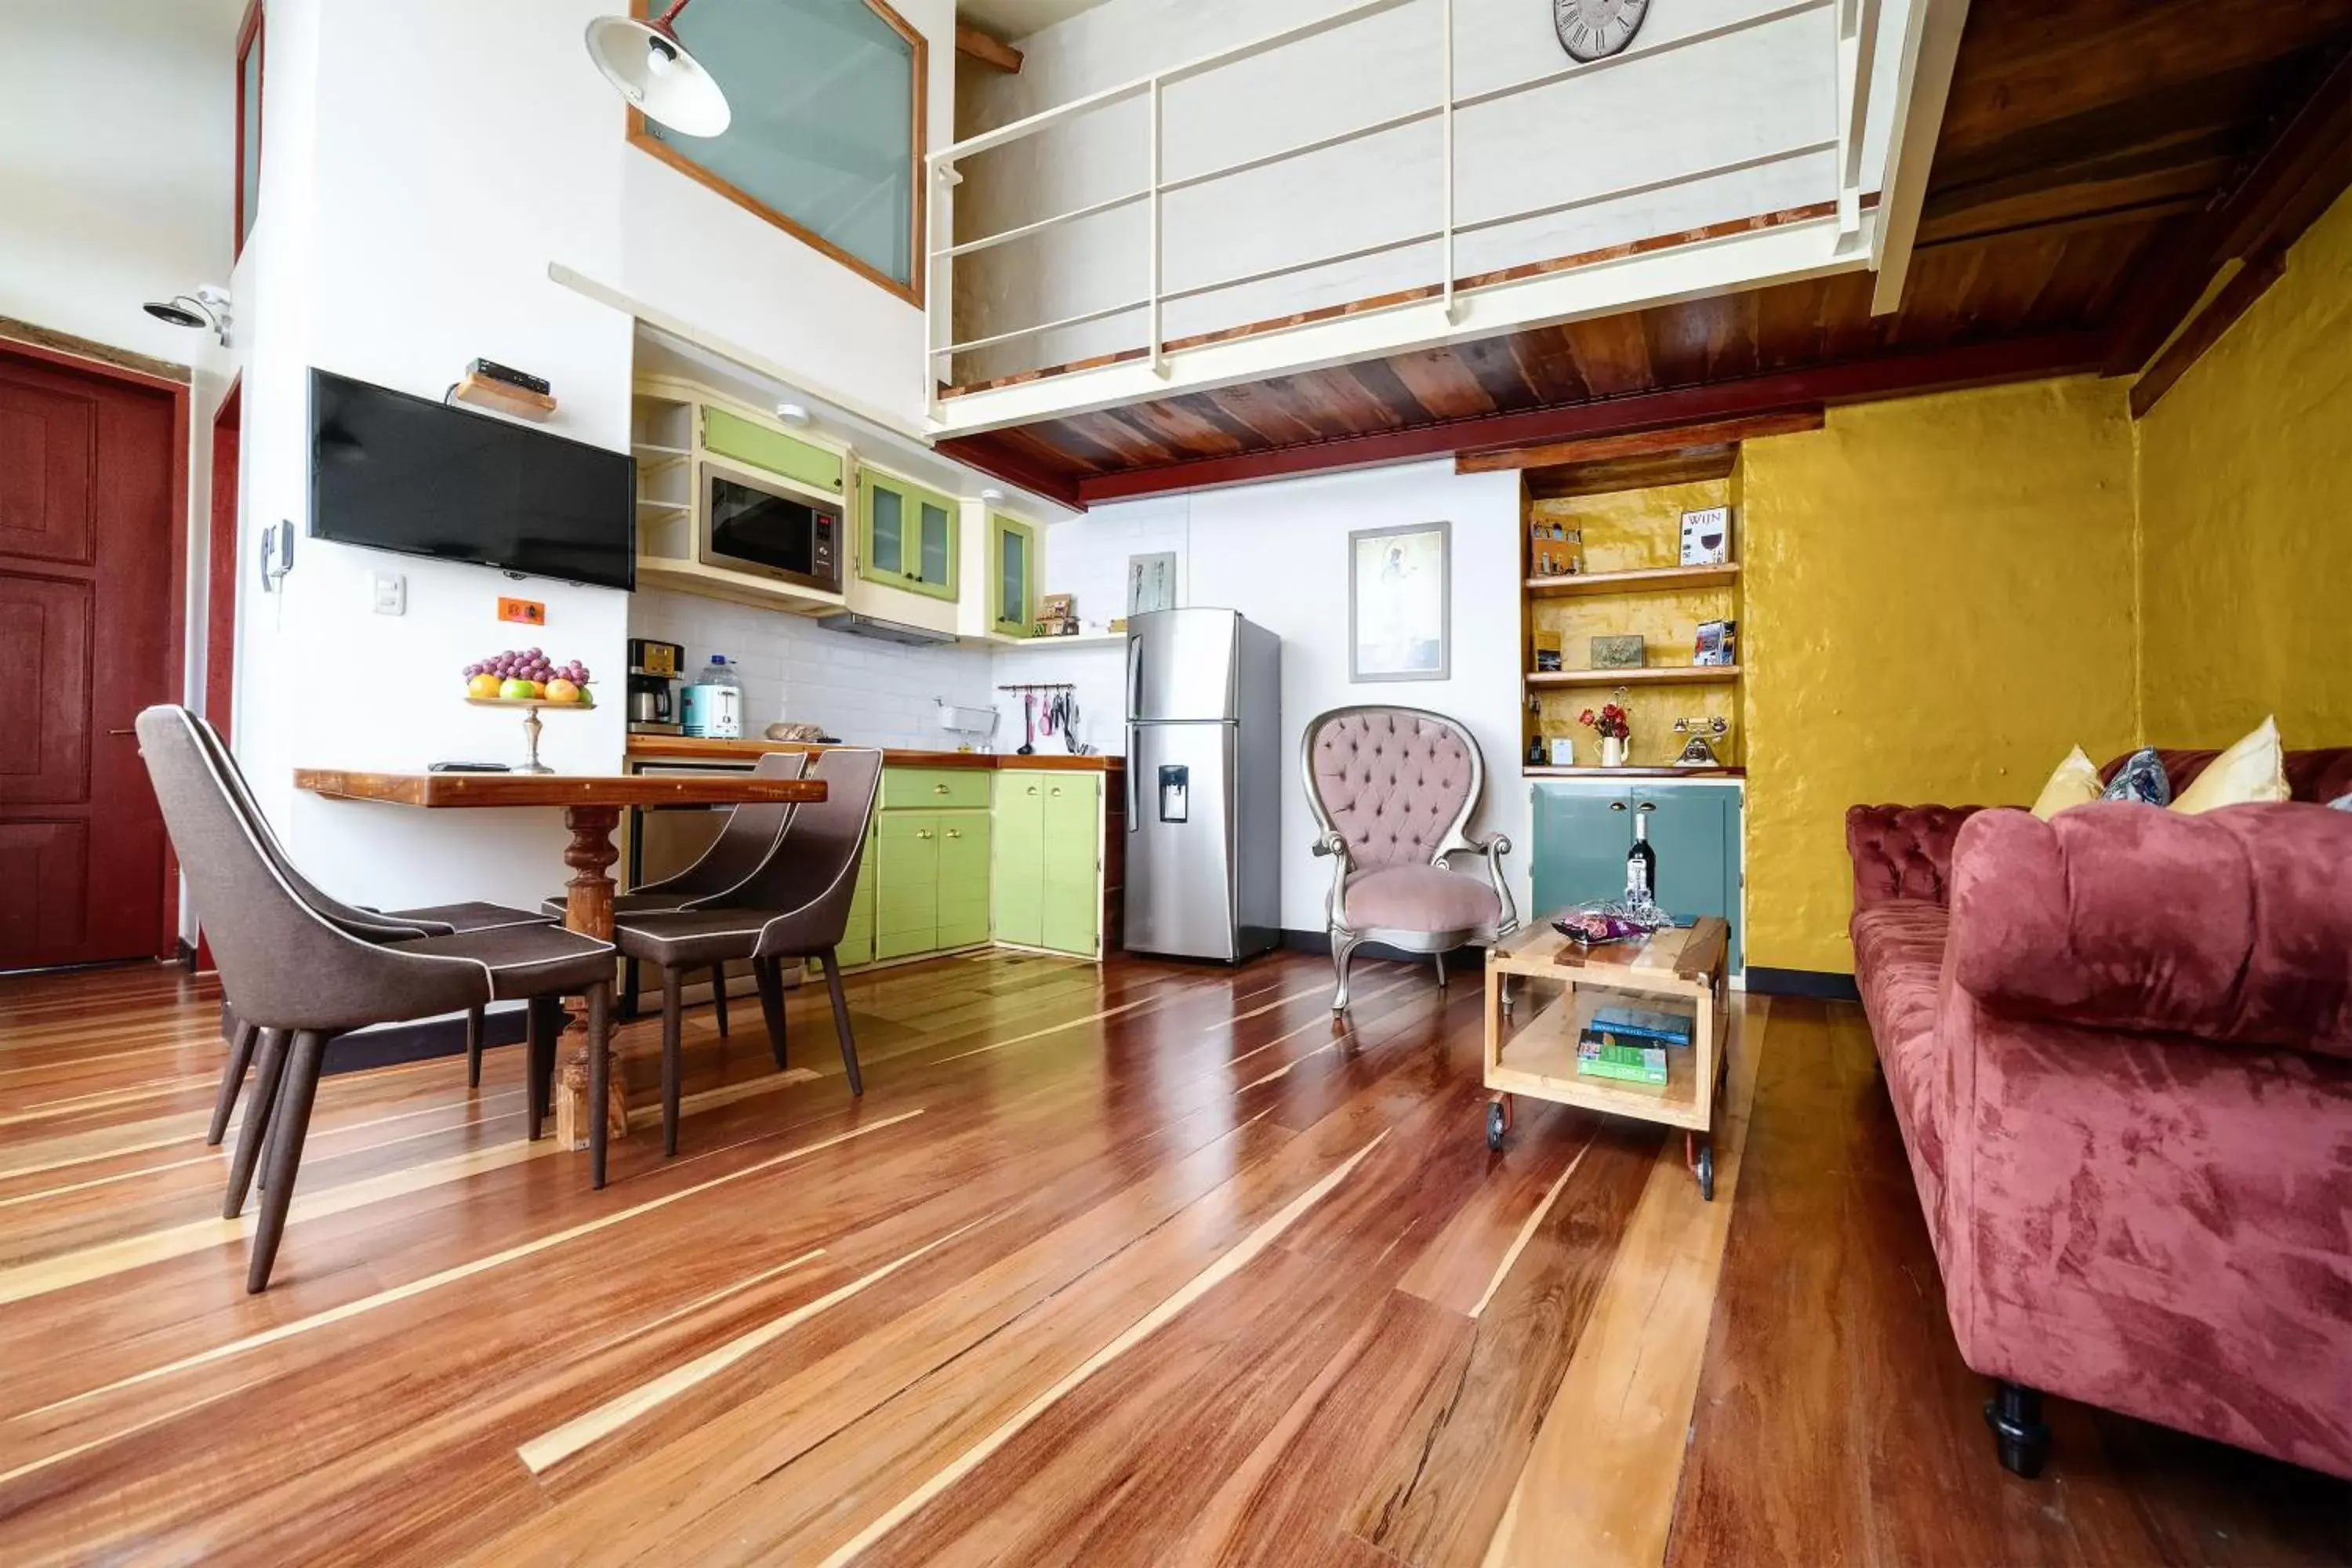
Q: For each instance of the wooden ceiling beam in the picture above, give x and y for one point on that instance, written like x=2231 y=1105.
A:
x=1787 y=392
x=2306 y=165
x=988 y=51
x=2237 y=297
x=1642 y=443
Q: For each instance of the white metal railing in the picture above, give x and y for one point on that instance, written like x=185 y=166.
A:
x=1856 y=40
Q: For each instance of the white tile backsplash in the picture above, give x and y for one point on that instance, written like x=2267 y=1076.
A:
x=792 y=670
x=880 y=694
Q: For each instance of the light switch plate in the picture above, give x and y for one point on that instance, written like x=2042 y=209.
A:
x=391 y=593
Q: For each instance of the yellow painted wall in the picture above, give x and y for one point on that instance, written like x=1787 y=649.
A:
x=1625 y=532
x=1937 y=605
x=2246 y=517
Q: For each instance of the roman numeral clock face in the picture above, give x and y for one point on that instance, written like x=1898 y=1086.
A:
x=1595 y=30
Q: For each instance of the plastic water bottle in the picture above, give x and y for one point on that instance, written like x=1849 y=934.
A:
x=714 y=703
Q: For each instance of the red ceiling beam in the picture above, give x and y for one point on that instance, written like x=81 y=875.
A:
x=1853 y=381
x=991 y=455
x=2307 y=164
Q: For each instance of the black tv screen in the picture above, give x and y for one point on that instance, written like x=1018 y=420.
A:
x=393 y=471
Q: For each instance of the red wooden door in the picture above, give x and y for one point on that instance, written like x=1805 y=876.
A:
x=221 y=563
x=86 y=536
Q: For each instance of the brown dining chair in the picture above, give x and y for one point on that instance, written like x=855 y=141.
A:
x=302 y=979
x=374 y=925
x=748 y=837
x=795 y=906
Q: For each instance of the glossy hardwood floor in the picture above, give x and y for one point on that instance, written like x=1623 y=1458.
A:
x=1149 y=1264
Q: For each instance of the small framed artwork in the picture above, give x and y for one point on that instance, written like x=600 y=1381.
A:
x=1399 y=598
x=1706 y=536
x=1151 y=583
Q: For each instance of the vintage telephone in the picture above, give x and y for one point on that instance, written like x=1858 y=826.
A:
x=1696 y=751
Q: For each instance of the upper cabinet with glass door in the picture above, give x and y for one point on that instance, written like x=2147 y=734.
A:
x=1003 y=569
x=908 y=536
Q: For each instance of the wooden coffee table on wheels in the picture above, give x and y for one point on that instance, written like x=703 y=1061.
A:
x=1679 y=970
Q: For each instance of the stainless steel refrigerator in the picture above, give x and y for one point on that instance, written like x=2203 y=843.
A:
x=1203 y=784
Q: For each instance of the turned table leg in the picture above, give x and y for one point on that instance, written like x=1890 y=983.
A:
x=588 y=910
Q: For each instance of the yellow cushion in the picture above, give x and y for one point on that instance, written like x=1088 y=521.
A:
x=2253 y=770
x=2076 y=783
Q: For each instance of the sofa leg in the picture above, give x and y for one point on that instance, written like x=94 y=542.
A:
x=1439 y=959
x=2018 y=1435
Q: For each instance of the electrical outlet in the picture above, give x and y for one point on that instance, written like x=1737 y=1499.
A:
x=391 y=593
x=528 y=612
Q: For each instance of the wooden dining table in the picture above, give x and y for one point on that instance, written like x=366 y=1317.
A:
x=592 y=805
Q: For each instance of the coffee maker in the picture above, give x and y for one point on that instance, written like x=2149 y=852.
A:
x=653 y=672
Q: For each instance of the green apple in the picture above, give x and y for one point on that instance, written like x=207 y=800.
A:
x=517 y=690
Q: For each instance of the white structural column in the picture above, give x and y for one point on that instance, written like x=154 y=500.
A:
x=1445 y=112
x=1159 y=360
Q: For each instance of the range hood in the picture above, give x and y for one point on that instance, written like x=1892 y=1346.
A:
x=858 y=626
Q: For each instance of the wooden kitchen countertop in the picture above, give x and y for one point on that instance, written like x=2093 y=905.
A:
x=686 y=748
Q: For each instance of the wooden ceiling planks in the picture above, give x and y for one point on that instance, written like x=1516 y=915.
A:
x=2099 y=161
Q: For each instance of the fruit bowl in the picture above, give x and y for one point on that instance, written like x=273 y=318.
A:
x=529 y=680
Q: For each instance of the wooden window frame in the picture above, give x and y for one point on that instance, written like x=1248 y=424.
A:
x=251 y=38
x=911 y=291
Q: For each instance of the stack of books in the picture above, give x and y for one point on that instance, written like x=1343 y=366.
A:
x=1630 y=1044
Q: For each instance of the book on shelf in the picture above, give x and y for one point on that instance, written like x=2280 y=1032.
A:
x=1642 y=1023
x=1599 y=1054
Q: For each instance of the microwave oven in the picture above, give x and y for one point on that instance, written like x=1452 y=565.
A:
x=750 y=520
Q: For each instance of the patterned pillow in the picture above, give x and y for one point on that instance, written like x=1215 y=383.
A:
x=2141 y=779
x=2341 y=803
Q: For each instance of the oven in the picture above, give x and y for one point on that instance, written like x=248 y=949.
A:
x=748 y=520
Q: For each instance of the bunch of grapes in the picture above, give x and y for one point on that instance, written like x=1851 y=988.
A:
x=529 y=664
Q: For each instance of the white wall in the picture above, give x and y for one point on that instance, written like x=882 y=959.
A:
x=864 y=692
x=117 y=173
x=1279 y=553
x=117 y=186
x=413 y=196
x=1712 y=102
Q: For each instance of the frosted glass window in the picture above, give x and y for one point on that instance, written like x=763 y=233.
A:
x=889 y=529
x=248 y=122
x=1012 y=578
x=937 y=533
x=827 y=118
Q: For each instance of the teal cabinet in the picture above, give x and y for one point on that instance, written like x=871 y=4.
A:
x=1584 y=827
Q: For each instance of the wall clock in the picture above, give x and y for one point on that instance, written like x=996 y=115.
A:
x=1594 y=29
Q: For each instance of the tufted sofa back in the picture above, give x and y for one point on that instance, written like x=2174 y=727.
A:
x=1395 y=782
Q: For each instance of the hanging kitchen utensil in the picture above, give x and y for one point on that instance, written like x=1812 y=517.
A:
x=1028 y=724
x=1070 y=721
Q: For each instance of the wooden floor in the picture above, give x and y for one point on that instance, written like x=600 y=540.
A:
x=1147 y=1264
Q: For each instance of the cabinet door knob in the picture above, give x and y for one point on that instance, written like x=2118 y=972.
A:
x=1616 y=806
x=1647 y=806
x=1032 y=789
x=938 y=789
x=955 y=832
x=1057 y=789
x=922 y=833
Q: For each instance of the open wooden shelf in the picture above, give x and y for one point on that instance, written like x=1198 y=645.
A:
x=1646 y=675
x=507 y=398
x=1722 y=575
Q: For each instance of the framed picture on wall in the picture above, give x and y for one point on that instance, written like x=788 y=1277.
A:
x=1399 y=597
x=1151 y=583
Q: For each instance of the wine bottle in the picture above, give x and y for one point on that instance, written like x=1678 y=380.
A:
x=1642 y=861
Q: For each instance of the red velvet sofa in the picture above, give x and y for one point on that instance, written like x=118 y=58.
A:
x=2119 y=1046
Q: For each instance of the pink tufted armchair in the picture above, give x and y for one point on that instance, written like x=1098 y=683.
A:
x=1391 y=789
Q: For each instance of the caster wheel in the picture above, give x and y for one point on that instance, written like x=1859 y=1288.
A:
x=1498 y=1121
x=1707 y=1172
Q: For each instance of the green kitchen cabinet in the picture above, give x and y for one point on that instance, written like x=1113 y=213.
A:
x=1020 y=880
x=1583 y=828
x=1012 y=577
x=906 y=535
x=857 y=945
x=905 y=883
x=1048 y=889
x=963 y=879
x=732 y=436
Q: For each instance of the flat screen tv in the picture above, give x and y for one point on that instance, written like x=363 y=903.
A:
x=393 y=471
